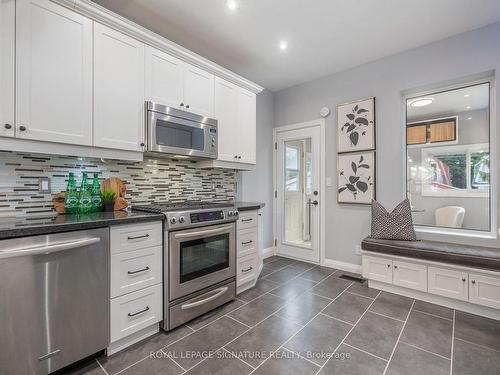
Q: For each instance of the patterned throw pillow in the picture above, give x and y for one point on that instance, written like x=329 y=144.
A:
x=396 y=225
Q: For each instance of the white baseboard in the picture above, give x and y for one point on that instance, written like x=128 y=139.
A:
x=438 y=300
x=269 y=252
x=344 y=266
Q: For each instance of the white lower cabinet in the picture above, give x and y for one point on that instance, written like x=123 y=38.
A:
x=484 y=290
x=448 y=283
x=247 y=269
x=134 y=311
x=136 y=282
x=410 y=275
x=248 y=252
x=378 y=269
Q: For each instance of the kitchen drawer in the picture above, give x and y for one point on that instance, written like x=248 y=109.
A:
x=247 y=269
x=135 y=236
x=448 y=283
x=134 y=311
x=247 y=220
x=135 y=270
x=247 y=241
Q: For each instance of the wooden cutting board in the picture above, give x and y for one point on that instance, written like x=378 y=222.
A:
x=120 y=189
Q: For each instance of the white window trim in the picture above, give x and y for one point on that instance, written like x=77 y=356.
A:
x=494 y=231
x=463 y=193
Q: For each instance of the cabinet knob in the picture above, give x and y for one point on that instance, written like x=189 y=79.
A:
x=236 y=156
x=463 y=279
x=182 y=104
x=22 y=128
x=187 y=106
x=7 y=126
x=142 y=144
x=239 y=157
x=395 y=267
x=473 y=281
x=389 y=266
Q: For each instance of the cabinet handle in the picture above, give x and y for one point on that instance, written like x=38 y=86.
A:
x=464 y=279
x=141 y=270
x=22 y=128
x=473 y=281
x=137 y=237
x=246 y=243
x=246 y=220
x=248 y=269
x=138 y=312
x=8 y=126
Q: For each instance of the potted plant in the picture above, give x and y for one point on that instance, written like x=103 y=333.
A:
x=108 y=200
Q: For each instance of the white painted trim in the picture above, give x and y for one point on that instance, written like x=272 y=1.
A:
x=322 y=190
x=344 y=266
x=125 y=26
x=487 y=77
x=51 y=148
x=125 y=342
x=438 y=300
x=268 y=252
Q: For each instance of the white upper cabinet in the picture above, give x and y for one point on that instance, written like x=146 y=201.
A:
x=53 y=73
x=164 y=78
x=7 y=60
x=226 y=113
x=247 y=128
x=198 y=91
x=118 y=90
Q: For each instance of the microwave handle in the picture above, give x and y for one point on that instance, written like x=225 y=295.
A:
x=204 y=232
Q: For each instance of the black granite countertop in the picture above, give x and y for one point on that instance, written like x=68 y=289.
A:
x=248 y=206
x=31 y=226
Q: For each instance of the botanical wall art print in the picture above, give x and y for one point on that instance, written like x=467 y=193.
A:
x=356 y=126
x=356 y=177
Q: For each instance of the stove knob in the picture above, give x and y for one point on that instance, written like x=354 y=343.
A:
x=230 y=213
x=181 y=219
x=173 y=220
x=235 y=213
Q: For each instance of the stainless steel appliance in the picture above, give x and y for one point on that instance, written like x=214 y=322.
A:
x=180 y=133
x=199 y=258
x=54 y=300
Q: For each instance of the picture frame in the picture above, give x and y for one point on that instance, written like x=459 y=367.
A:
x=356 y=126
x=356 y=177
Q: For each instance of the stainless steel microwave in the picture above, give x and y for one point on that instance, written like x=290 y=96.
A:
x=173 y=132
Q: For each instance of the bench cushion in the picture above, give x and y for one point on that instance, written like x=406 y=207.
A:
x=444 y=252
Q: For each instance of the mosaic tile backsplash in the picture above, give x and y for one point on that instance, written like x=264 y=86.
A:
x=152 y=180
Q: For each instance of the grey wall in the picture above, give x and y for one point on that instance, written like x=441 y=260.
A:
x=257 y=185
x=467 y=54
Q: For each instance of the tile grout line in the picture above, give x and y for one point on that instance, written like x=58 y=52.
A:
x=387 y=316
x=305 y=325
x=337 y=319
x=233 y=356
x=348 y=333
x=236 y=320
x=298 y=355
x=102 y=368
x=399 y=337
x=452 y=342
x=424 y=350
x=360 y=295
x=478 y=345
x=364 y=351
x=434 y=315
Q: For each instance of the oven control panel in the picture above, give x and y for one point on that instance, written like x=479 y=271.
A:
x=195 y=218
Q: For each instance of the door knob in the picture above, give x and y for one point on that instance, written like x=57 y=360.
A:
x=315 y=192
x=315 y=203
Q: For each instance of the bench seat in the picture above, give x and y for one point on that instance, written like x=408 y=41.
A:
x=463 y=255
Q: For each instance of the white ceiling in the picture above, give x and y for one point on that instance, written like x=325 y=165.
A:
x=450 y=102
x=324 y=36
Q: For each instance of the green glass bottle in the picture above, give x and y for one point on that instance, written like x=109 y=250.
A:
x=71 y=196
x=96 y=195
x=85 y=201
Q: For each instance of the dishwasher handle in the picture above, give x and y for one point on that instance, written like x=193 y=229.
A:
x=48 y=249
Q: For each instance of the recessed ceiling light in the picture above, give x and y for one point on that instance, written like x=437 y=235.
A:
x=466 y=95
x=421 y=102
x=283 y=45
x=469 y=118
x=232 y=5
x=468 y=107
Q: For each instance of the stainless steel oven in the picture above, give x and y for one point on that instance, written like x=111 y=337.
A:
x=174 y=132
x=201 y=257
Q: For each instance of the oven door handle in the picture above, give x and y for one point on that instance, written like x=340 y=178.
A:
x=220 y=291
x=203 y=232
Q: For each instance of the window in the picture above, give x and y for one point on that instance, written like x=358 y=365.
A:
x=292 y=168
x=456 y=171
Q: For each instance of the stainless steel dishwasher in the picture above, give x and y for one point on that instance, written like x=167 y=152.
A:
x=54 y=300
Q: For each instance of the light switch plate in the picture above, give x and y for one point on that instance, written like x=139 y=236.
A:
x=44 y=185
x=329 y=182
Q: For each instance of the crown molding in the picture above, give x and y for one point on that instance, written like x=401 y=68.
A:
x=125 y=26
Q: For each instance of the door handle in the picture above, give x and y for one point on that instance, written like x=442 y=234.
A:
x=203 y=232
x=37 y=250
x=220 y=292
x=314 y=203
x=49 y=355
